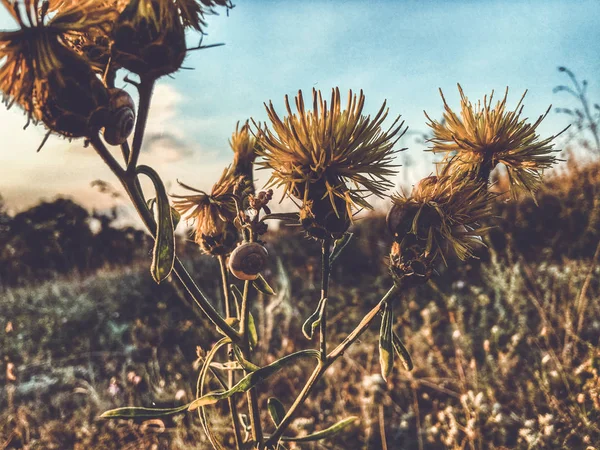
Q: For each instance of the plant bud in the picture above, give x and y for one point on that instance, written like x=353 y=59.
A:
x=221 y=240
x=149 y=38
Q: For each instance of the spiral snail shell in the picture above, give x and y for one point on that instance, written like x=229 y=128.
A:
x=121 y=117
x=248 y=260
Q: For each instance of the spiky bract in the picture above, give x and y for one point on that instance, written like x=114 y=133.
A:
x=332 y=157
x=40 y=72
x=442 y=216
x=484 y=136
x=213 y=215
x=244 y=146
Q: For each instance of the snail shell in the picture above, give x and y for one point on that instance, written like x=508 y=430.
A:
x=248 y=260
x=121 y=117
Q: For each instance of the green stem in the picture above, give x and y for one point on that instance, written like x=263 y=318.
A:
x=145 y=88
x=131 y=184
x=230 y=375
x=324 y=365
x=325 y=272
x=245 y=317
x=251 y=395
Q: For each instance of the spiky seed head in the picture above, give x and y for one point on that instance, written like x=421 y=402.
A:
x=44 y=76
x=483 y=136
x=442 y=216
x=213 y=215
x=336 y=158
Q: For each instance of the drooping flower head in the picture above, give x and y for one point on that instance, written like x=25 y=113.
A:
x=149 y=36
x=213 y=215
x=329 y=158
x=441 y=217
x=484 y=136
x=43 y=75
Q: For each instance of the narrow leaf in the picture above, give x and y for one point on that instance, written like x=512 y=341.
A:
x=308 y=328
x=142 y=413
x=247 y=365
x=386 y=347
x=253 y=379
x=323 y=434
x=252 y=333
x=284 y=217
x=339 y=246
x=233 y=322
x=176 y=217
x=150 y=203
x=163 y=253
x=237 y=296
x=402 y=353
x=261 y=285
x=276 y=410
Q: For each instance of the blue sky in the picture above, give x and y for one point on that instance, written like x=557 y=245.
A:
x=402 y=51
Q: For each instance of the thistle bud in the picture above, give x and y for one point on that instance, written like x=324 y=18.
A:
x=149 y=38
x=321 y=216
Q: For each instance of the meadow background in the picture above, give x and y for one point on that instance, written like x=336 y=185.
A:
x=505 y=347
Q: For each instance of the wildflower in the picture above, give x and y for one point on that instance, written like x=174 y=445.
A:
x=244 y=146
x=45 y=77
x=330 y=159
x=194 y=11
x=149 y=36
x=213 y=213
x=482 y=137
x=442 y=216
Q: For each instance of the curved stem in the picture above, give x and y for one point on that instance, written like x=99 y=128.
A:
x=251 y=395
x=131 y=184
x=230 y=374
x=107 y=157
x=145 y=88
x=324 y=365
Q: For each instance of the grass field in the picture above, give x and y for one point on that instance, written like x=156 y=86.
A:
x=505 y=348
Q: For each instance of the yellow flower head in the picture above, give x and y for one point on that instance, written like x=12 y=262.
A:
x=40 y=73
x=442 y=216
x=332 y=157
x=213 y=215
x=484 y=136
x=244 y=145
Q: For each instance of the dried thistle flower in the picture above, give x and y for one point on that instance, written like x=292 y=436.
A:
x=193 y=12
x=442 y=216
x=213 y=215
x=244 y=146
x=330 y=159
x=483 y=137
x=149 y=36
x=40 y=73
